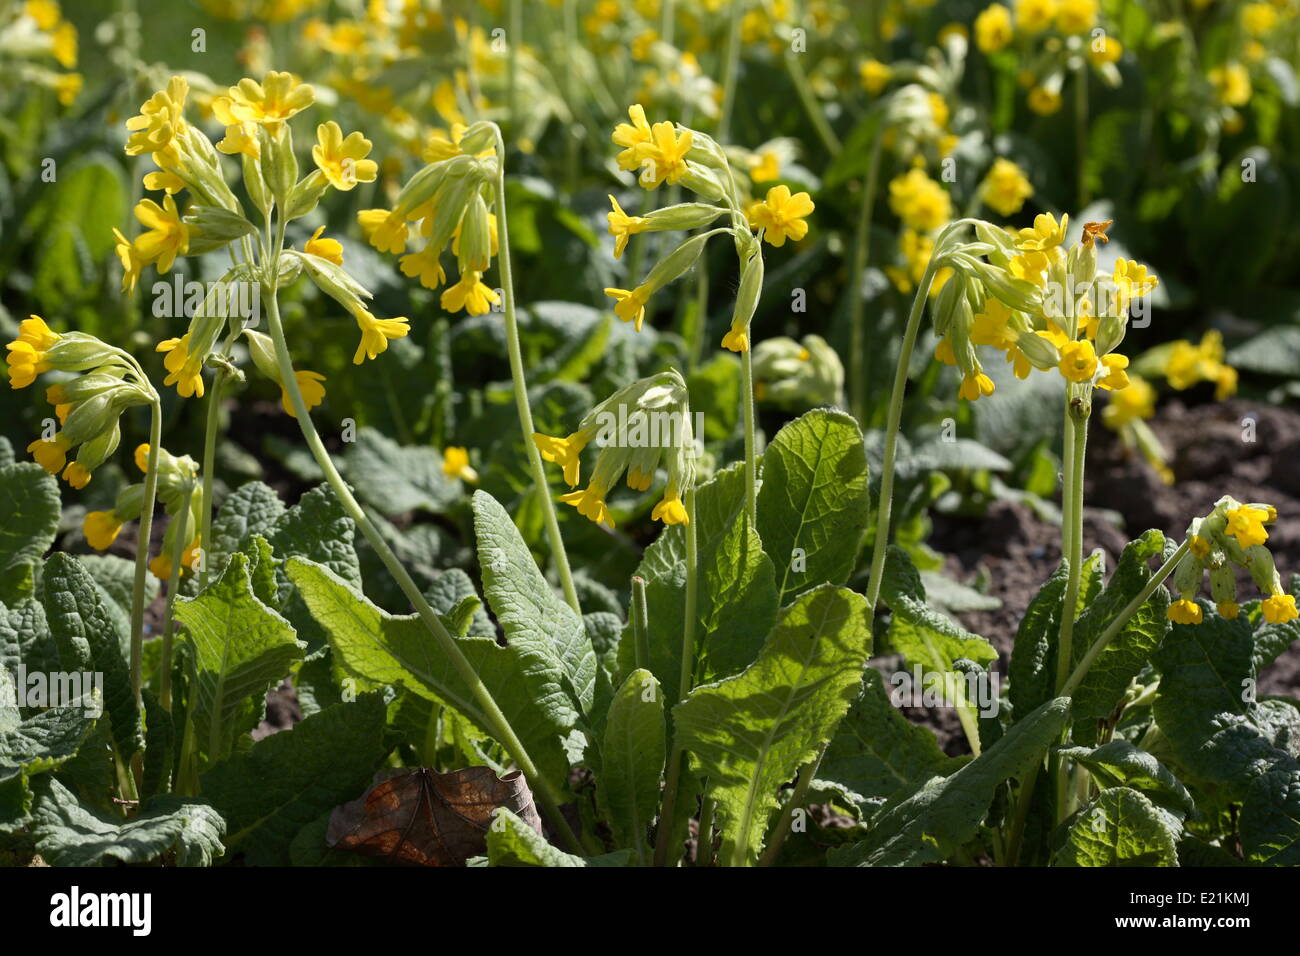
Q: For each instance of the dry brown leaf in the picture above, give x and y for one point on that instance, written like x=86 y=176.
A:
x=424 y=818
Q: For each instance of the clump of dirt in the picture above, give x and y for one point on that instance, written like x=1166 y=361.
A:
x=1248 y=450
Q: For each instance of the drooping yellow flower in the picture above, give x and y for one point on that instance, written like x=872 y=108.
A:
x=67 y=87
x=766 y=167
x=1279 y=608
x=51 y=454
x=634 y=137
x=64 y=45
x=993 y=31
x=385 y=230
x=622 y=226
x=1045 y=234
x=455 y=464
x=1030 y=266
x=277 y=98
x=1115 y=378
x=975 y=385
x=590 y=503
x=101 y=529
x=1246 y=524
x=163 y=180
x=670 y=510
x=46 y=13
x=343 y=161
x=992 y=326
x=736 y=338
x=1231 y=84
x=426 y=265
x=184 y=370
x=630 y=305
x=469 y=294
x=781 y=215
x=875 y=76
x=1259 y=18
x=376 y=333
x=26 y=358
x=330 y=249
x=1078 y=361
x=167 y=236
x=76 y=475
x=160 y=120
x=312 y=386
x=241 y=137
x=1005 y=188
x=1076 y=16
x=1229 y=610
x=565 y=452
x=1184 y=611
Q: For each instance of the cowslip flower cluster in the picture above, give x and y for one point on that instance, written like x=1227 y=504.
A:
x=177 y=479
x=88 y=406
x=675 y=155
x=1021 y=293
x=33 y=33
x=1231 y=536
x=637 y=428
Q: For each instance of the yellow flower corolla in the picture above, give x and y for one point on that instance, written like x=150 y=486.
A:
x=922 y=203
x=160 y=120
x=1133 y=281
x=875 y=76
x=1184 y=611
x=1138 y=401
x=664 y=158
x=1034 y=16
x=277 y=98
x=166 y=236
x=76 y=475
x=1246 y=524
x=622 y=226
x=385 y=230
x=426 y=265
x=50 y=454
x=670 y=510
x=455 y=464
x=1045 y=234
x=101 y=529
x=312 y=386
x=1229 y=610
x=975 y=385
x=736 y=338
x=343 y=160
x=329 y=249
x=630 y=305
x=1259 y=18
x=1115 y=378
x=1231 y=84
x=1279 y=608
x=26 y=358
x=1076 y=16
x=565 y=452
x=590 y=503
x=993 y=30
x=1078 y=361
x=633 y=137
x=1109 y=50
x=469 y=294
x=241 y=137
x=376 y=333
x=1043 y=101
x=1005 y=188
x=184 y=370
x=782 y=215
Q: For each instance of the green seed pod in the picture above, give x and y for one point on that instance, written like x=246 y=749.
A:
x=94 y=452
x=677 y=262
x=255 y=183
x=279 y=165
x=130 y=502
x=751 y=289
x=703 y=182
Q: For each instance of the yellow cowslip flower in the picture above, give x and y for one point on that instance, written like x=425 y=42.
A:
x=385 y=230
x=975 y=385
x=1279 y=608
x=27 y=358
x=51 y=454
x=992 y=326
x=1138 y=401
x=101 y=529
x=1231 y=84
x=163 y=180
x=590 y=503
x=1199 y=546
x=1078 y=361
x=455 y=464
x=1043 y=101
x=375 y=334
x=277 y=98
x=161 y=565
x=939 y=111
x=639 y=480
x=1133 y=280
x=1034 y=16
x=622 y=226
x=670 y=510
x=993 y=31
x=167 y=236
x=1005 y=188
x=1246 y=524
x=665 y=157
x=922 y=203
x=943 y=352
x=64 y=45
x=736 y=338
x=343 y=161
x=1109 y=51
x=141 y=457
x=67 y=87
x=766 y=167
x=312 y=388
x=630 y=306
x=781 y=215
x=426 y=265
x=634 y=137
x=1045 y=234
x=875 y=76
x=1258 y=19
x=1184 y=611
x=184 y=370
x=329 y=249
x=46 y=13
x=1076 y=16
x=160 y=121
x=1030 y=266
x=469 y=294
x=564 y=452
x=1115 y=378
x=1229 y=610
x=76 y=475
x=241 y=137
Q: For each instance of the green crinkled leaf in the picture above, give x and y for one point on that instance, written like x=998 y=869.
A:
x=37 y=743
x=395 y=479
x=240 y=648
x=813 y=504
x=284 y=782
x=1273 y=640
x=512 y=842
x=448 y=590
x=29 y=520
x=116 y=575
x=751 y=733
x=377 y=649
x=253 y=508
x=76 y=610
x=946 y=812
x=1121 y=827
x=68 y=834
x=316 y=528
x=877 y=753
x=1032 y=670
x=1120 y=764
x=556 y=654
x=920 y=633
x=25 y=638
x=1270 y=818
x=632 y=760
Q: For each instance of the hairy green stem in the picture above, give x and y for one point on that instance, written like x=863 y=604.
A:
x=640 y=622
x=173 y=586
x=142 y=550
x=1076 y=441
x=211 y=427
x=751 y=452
